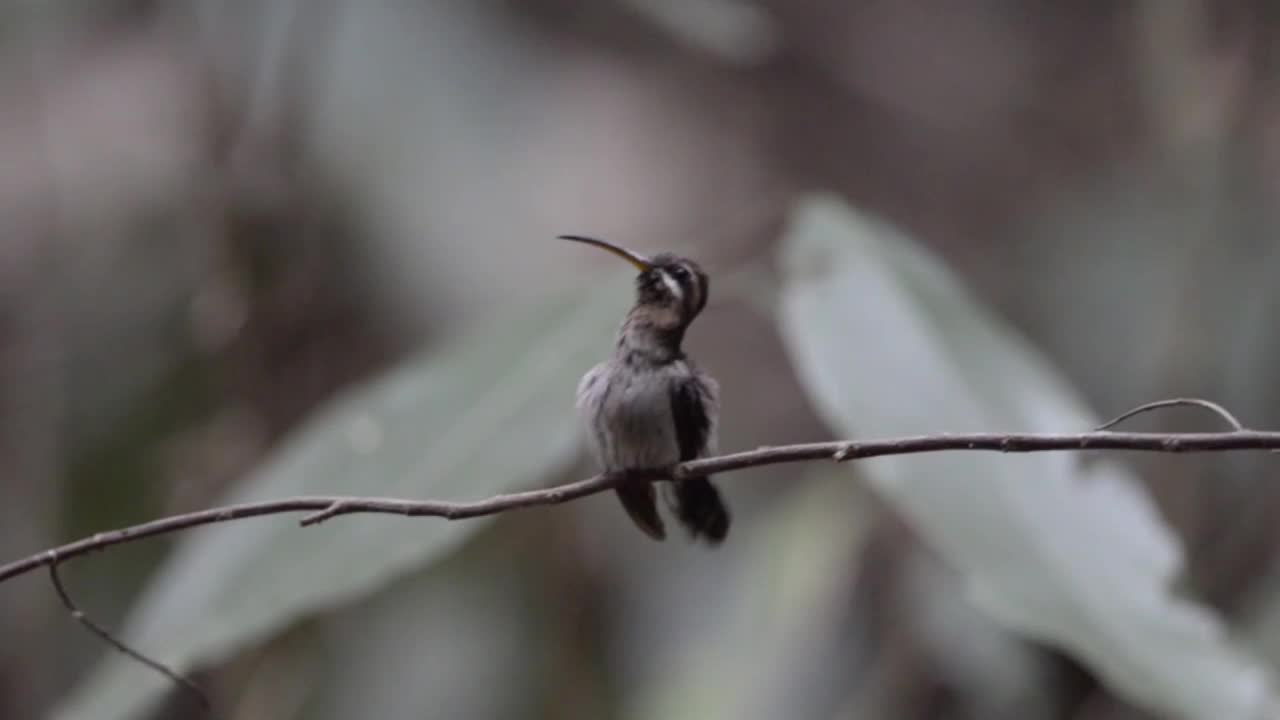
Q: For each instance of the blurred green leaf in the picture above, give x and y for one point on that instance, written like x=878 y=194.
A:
x=886 y=341
x=491 y=413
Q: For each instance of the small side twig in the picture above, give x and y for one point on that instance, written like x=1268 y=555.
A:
x=1209 y=405
x=83 y=618
x=319 y=517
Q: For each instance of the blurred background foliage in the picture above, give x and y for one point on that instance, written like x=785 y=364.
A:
x=257 y=249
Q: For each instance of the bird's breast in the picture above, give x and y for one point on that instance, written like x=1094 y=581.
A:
x=628 y=414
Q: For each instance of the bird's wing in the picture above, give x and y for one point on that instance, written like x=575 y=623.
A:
x=588 y=384
x=695 y=501
x=693 y=407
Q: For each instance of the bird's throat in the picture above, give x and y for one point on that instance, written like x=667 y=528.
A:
x=649 y=336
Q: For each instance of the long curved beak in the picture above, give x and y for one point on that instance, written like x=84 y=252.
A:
x=641 y=262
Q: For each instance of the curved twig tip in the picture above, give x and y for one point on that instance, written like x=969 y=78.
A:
x=1209 y=405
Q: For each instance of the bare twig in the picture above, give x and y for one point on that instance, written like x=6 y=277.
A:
x=1176 y=402
x=320 y=508
x=81 y=617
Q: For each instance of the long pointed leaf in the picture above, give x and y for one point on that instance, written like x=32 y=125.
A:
x=888 y=343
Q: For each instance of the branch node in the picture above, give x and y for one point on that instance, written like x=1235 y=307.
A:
x=845 y=451
x=316 y=518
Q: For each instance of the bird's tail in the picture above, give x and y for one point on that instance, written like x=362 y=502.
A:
x=639 y=500
x=700 y=509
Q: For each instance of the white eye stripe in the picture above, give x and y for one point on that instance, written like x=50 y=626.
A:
x=674 y=287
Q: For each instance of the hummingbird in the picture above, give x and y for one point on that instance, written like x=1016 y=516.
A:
x=648 y=407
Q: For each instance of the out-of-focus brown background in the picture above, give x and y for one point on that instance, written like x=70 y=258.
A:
x=214 y=217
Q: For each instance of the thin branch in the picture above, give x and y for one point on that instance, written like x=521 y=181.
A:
x=321 y=508
x=1209 y=405
x=81 y=617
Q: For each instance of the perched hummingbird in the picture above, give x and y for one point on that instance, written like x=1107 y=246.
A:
x=648 y=407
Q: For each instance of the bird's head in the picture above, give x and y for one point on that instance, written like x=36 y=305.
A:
x=670 y=290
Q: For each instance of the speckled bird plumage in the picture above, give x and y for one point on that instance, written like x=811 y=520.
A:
x=648 y=406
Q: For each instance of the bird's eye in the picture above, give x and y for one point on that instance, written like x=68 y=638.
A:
x=680 y=272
